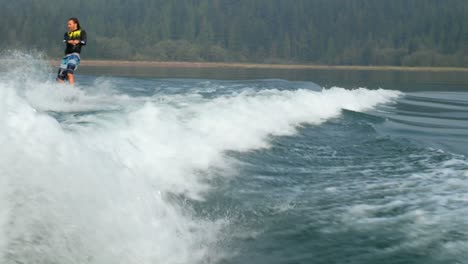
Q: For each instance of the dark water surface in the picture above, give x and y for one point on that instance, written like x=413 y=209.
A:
x=399 y=80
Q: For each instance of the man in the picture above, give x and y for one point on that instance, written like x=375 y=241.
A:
x=74 y=39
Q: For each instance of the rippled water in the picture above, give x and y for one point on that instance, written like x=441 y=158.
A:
x=151 y=170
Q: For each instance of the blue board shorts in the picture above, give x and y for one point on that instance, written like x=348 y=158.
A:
x=68 y=66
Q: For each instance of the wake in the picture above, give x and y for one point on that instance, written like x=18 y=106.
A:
x=94 y=185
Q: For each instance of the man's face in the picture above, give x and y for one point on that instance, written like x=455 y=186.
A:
x=72 y=26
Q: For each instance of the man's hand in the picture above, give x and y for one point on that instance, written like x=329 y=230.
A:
x=74 y=41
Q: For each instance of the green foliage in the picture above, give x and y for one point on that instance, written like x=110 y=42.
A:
x=355 y=32
x=112 y=48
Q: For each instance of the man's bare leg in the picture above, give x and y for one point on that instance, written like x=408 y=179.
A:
x=71 y=78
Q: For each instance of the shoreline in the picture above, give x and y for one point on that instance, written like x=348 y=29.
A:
x=236 y=65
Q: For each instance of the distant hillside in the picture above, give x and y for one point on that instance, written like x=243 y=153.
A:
x=351 y=32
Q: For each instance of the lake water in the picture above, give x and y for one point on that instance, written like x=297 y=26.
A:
x=153 y=165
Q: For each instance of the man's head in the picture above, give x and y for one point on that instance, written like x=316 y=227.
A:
x=73 y=24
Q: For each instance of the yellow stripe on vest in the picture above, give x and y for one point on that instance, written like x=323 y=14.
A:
x=74 y=34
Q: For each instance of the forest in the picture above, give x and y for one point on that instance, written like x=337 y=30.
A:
x=333 y=32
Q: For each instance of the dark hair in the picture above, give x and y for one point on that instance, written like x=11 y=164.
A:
x=74 y=19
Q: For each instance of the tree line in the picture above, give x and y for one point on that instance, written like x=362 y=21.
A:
x=352 y=32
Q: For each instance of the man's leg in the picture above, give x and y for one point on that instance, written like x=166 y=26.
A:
x=71 y=78
x=62 y=71
x=71 y=67
x=61 y=76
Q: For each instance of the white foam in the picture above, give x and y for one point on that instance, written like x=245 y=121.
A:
x=244 y=121
x=85 y=195
x=332 y=189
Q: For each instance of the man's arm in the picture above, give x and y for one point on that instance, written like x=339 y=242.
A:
x=84 y=38
x=66 y=39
